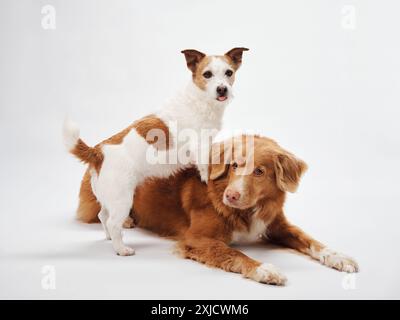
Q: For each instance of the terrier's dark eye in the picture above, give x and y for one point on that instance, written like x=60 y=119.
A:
x=258 y=172
x=234 y=165
x=229 y=73
x=207 y=74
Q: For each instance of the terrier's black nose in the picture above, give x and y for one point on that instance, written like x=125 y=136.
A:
x=222 y=90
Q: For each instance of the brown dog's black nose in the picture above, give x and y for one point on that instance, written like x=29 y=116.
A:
x=232 y=195
x=222 y=90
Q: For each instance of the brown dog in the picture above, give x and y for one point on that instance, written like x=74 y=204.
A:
x=242 y=202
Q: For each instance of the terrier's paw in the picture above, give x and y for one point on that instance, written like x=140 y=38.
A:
x=338 y=261
x=267 y=273
x=125 y=251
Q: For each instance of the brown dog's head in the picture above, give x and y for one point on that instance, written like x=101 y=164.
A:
x=251 y=169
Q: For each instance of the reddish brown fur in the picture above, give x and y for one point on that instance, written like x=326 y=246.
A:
x=88 y=207
x=90 y=155
x=198 y=71
x=184 y=208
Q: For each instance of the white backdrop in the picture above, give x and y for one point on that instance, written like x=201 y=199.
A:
x=321 y=81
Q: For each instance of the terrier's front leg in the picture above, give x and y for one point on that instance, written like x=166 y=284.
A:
x=198 y=158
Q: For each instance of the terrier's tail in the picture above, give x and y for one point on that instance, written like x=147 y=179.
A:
x=76 y=146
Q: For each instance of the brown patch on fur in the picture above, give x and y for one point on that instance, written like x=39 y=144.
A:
x=155 y=131
x=193 y=58
x=90 y=155
x=234 y=56
x=152 y=128
x=147 y=127
x=197 y=73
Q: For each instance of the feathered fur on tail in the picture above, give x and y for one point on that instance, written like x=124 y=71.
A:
x=76 y=146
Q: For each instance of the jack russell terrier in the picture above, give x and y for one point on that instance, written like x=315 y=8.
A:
x=120 y=163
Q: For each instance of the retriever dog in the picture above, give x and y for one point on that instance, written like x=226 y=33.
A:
x=242 y=202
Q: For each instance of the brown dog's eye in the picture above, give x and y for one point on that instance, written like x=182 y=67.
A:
x=229 y=73
x=234 y=165
x=258 y=172
x=207 y=74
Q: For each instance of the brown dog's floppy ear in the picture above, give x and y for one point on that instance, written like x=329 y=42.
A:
x=235 y=55
x=288 y=171
x=193 y=57
x=220 y=158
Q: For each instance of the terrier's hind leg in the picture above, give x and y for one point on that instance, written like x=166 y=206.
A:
x=103 y=217
x=118 y=215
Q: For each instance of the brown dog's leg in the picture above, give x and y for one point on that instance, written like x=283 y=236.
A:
x=205 y=241
x=217 y=254
x=282 y=232
x=88 y=208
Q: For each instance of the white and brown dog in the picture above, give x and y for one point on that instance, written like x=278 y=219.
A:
x=118 y=164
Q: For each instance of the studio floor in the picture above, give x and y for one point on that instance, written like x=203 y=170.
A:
x=53 y=256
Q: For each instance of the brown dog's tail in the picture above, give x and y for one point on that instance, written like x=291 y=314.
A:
x=76 y=146
x=88 y=208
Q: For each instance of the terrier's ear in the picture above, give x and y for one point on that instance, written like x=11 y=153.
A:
x=193 y=58
x=288 y=171
x=235 y=55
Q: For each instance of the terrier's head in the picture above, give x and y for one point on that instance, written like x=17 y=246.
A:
x=214 y=75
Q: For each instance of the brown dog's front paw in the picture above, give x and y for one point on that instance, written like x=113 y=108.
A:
x=268 y=273
x=338 y=261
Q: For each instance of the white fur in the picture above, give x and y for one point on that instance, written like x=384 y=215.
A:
x=268 y=273
x=258 y=228
x=218 y=67
x=125 y=165
x=239 y=186
x=334 y=259
x=70 y=133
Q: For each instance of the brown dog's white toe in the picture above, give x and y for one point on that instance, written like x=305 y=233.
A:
x=269 y=274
